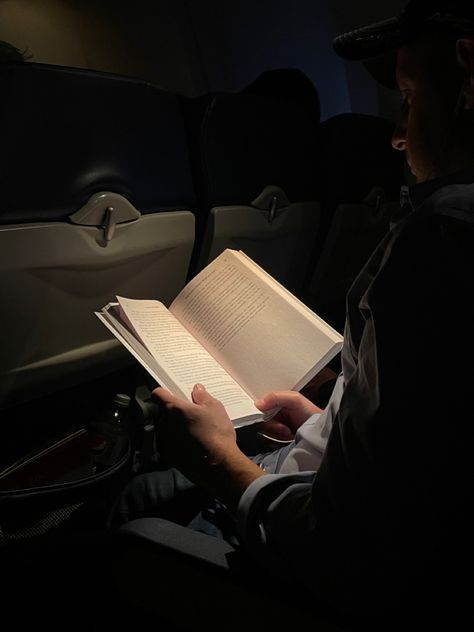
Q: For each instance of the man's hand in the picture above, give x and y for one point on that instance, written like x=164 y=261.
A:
x=199 y=439
x=295 y=410
x=190 y=432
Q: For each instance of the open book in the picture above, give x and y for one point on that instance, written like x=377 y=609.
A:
x=232 y=328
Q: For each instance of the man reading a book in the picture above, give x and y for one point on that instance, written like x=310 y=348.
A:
x=369 y=507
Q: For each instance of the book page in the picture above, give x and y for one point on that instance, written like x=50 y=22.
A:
x=183 y=358
x=262 y=335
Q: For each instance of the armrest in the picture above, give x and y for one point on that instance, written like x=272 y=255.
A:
x=190 y=580
x=171 y=538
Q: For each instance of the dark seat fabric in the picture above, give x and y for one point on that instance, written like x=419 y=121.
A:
x=356 y=155
x=68 y=133
x=241 y=143
x=362 y=176
x=290 y=85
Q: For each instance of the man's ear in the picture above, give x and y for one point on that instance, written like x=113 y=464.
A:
x=465 y=56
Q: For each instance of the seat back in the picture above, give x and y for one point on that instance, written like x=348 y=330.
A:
x=254 y=163
x=96 y=191
x=362 y=175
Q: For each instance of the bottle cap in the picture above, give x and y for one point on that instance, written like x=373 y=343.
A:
x=122 y=399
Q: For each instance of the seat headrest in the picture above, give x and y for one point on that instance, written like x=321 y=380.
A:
x=241 y=143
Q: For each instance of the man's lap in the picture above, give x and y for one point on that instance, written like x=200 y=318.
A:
x=169 y=494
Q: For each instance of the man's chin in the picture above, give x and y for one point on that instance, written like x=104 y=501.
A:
x=417 y=176
x=411 y=170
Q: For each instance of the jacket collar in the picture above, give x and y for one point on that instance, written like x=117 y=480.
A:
x=418 y=193
x=412 y=197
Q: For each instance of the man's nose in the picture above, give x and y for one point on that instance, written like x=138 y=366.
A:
x=399 y=137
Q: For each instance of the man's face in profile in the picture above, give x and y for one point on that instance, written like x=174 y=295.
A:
x=429 y=81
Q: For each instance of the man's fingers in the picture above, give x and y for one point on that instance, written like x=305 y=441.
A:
x=170 y=400
x=163 y=395
x=201 y=396
x=279 y=399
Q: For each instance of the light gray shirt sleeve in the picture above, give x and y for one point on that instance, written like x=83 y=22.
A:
x=312 y=437
x=275 y=525
x=274 y=514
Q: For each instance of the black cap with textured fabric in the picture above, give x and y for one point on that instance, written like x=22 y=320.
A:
x=376 y=44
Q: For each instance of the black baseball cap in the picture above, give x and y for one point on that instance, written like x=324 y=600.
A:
x=376 y=44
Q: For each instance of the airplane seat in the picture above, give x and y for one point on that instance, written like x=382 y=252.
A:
x=96 y=200
x=254 y=166
x=362 y=175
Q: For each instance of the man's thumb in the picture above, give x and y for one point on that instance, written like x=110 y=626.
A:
x=265 y=403
x=200 y=395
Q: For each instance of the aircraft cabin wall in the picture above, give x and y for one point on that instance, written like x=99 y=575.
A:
x=196 y=47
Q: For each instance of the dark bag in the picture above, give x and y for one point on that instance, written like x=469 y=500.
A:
x=60 y=487
x=71 y=482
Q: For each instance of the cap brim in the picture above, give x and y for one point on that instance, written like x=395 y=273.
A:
x=369 y=41
x=376 y=46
